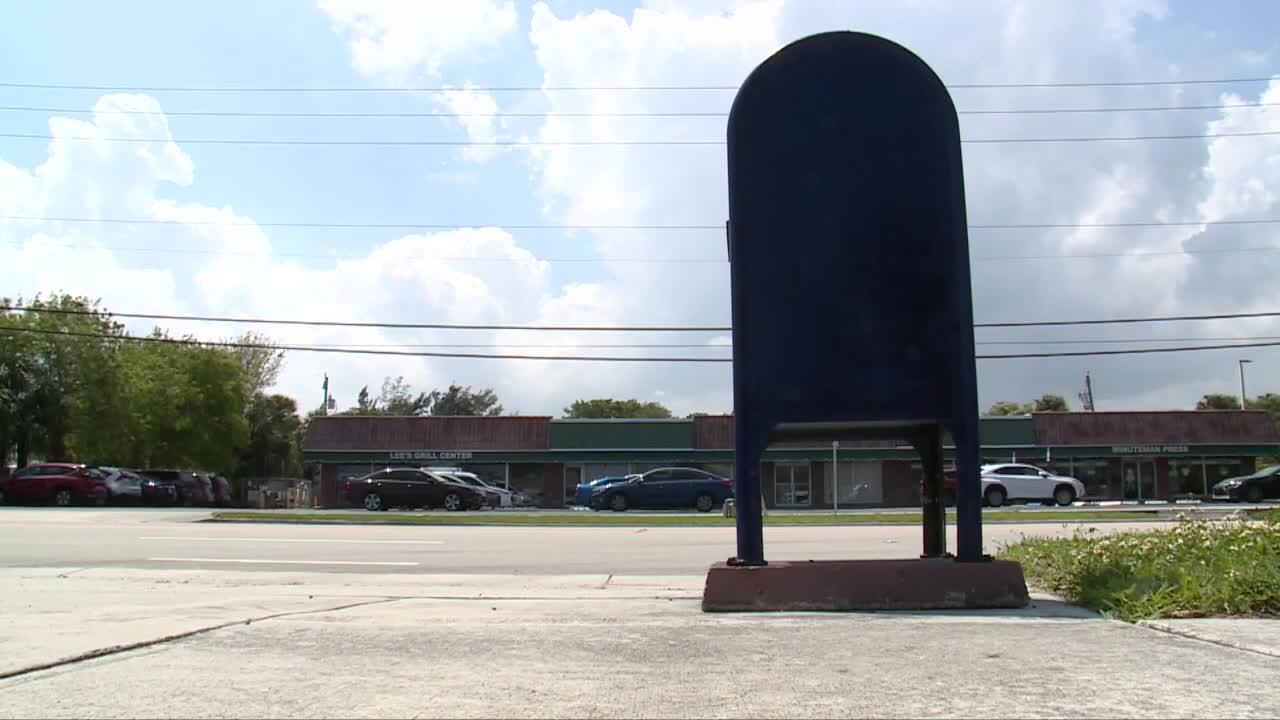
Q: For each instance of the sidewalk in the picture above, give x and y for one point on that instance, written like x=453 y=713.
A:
x=578 y=646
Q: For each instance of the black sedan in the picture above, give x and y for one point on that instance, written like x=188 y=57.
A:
x=1250 y=488
x=411 y=488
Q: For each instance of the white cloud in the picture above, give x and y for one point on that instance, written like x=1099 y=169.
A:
x=415 y=278
x=397 y=37
x=670 y=43
x=476 y=113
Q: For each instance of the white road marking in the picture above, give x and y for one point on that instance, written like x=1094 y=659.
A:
x=261 y=561
x=296 y=540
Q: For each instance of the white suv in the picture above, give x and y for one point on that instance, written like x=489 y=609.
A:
x=1012 y=481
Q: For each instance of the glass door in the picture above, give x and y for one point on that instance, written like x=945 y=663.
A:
x=572 y=476
x=791 y=487
x=1138 y=479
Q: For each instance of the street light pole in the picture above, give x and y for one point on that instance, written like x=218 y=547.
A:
x=835 y=478
x=1244 y=403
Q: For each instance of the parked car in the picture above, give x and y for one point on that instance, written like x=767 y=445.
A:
x=59 y=483
x=582 y=496
x=1015 y=481
x=123 y=485
x=191 y=488
x=411 y=487
x=663 y=489
x=158 y=491
x=1250 y=488
x=223 y=495
x=950 y=486
x=494 y=496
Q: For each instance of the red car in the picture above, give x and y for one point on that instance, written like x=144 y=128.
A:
x=59 y=483
x=950 y=485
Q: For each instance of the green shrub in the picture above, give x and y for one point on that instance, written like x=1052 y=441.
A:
x=1197 y=568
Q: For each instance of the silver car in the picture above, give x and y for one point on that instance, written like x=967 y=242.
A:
x=122 y=484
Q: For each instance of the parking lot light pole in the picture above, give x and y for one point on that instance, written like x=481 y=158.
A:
x=835 y=478
x=1244 y=403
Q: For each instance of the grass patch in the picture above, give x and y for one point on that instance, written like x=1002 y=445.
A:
x=1194 y=569
x=684 y=520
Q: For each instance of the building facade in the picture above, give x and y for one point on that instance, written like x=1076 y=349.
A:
x=1118 y=455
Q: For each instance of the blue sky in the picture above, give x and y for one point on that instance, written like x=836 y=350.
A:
x=297 y=43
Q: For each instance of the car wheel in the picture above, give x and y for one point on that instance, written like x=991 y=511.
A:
x=995 y=496
x=704 y=503
x=373 y=502
x=618 y=502
x=453 y=502
x=63 y=497
x=1064 y=495
x=1253 y=494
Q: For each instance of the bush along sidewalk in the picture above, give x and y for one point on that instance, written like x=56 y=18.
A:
x=1194 y=569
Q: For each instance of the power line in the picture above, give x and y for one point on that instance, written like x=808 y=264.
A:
x=593 y=328
x=637 y=114
x=645 y=260
x=588 y=88
x=588 y=143
x=350 y=351
x=580 y=358
x=449 y=258
x=718 y=227
x=399 y=326
x=716 y=346
x=1127 y=321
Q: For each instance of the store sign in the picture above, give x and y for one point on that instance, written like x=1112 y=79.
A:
x=431 y=455
x=1149 y=449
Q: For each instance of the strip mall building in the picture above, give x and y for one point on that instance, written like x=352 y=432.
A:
x=1118 y=455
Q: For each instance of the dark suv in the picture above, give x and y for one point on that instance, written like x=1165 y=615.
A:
x=411 y=487
x=189 y=488
x=60 y=483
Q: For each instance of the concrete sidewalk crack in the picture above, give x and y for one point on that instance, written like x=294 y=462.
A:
x=117 y=649
x=1192 y=635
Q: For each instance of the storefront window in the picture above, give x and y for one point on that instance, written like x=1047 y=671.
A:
x=494 y=474
x=861 y=483
x=526 y=478
x=791 y=487
x=1186 y=476
x=1094 y=475
x=595 y=471
x=1219 y=469
x=724 y=470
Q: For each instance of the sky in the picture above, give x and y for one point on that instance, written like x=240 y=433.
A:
x=230 y=229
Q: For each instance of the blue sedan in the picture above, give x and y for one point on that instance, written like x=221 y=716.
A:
x=664 y=489
x=583 y=495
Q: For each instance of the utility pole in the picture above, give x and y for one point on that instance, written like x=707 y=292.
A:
x=325 y=405
x=1244 y=402
x=1086 y=397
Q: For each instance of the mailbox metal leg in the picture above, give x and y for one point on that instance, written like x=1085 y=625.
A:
x=750 y=520
x=934 y=508
x=968 y=494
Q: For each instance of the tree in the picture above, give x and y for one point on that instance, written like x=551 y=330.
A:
x=1218 y=401
x=609 y=408
x=1005 y=408
x=1268 y=403
x=273 y=447
x=260 y=360
x=458 y=400
x=1046 y=403
x=364 y=404
x=397 y=398
x=1050 y=403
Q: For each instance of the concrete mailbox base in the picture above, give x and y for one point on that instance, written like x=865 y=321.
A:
x=836 y=585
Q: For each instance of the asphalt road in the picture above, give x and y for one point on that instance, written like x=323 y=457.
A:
x=150 y=539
